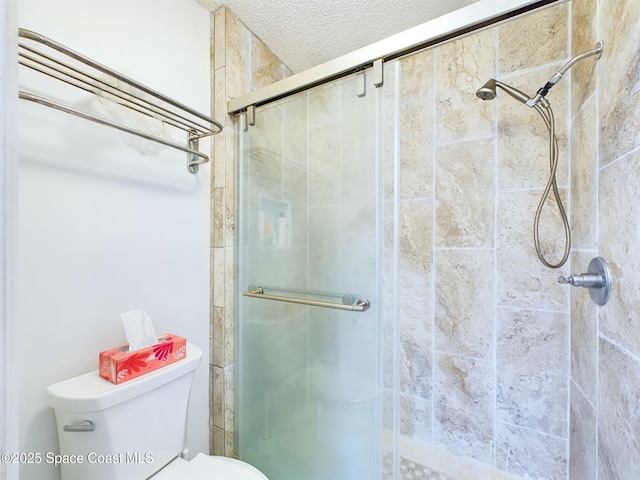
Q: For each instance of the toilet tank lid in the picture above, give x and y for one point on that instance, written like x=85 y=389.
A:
x=92 y=393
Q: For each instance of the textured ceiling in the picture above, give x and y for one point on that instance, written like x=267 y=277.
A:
x=306 y=33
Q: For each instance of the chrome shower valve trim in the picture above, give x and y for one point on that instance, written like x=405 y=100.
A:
x=597 y=280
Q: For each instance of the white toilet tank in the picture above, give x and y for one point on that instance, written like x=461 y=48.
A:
x=127 y=431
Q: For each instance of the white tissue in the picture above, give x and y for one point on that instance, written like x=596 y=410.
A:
x=138 y=329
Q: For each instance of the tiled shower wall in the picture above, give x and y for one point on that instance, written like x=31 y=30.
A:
x=482 y=331
x=240 y=63
x=490 y=367
x=605 y=179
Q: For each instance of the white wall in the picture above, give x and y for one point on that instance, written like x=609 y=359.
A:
x=8 y=181
x=102 y=228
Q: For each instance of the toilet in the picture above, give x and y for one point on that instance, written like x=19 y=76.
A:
x=135 y=430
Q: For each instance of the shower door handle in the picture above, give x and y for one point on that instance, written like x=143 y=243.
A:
x=361 y=305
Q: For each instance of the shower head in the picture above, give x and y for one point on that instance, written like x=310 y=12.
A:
x=488 y=91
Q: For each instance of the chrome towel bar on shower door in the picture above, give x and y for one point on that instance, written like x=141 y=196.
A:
x=360 y=305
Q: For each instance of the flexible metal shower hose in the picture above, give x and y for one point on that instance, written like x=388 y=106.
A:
x=547 y=116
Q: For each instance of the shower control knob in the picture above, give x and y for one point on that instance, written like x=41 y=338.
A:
x=586 y=280
x=597 y=280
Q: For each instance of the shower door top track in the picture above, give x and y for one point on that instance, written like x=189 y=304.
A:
x=459 y=22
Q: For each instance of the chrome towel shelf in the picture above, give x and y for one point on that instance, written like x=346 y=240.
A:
x=44 y=55
x=349 y=302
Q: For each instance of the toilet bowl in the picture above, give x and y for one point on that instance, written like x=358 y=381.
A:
x=208 y=467
x=135 y=430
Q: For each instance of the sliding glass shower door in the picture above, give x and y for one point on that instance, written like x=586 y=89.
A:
x=308 y=368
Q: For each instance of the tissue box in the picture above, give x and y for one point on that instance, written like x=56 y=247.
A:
x=119 y=365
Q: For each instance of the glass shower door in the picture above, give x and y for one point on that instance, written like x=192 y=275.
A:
x=308 y=369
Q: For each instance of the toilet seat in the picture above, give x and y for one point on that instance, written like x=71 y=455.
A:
x=207 y=467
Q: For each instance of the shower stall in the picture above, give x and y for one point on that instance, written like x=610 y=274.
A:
x=308 y=396
x=392 y=319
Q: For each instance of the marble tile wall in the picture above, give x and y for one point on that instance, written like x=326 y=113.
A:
x=240 y=63
x=605 y=177
x=528 y=333
x=482 y=330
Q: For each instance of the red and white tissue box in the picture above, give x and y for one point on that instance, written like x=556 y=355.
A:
x=119 y=365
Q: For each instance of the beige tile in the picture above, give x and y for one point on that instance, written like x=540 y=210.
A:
x=619 y=79
x=619 y=219
x=218 y=277
x=325 y=103
x=584 y=179
x=415 y=333
x=263 y=145
x=294 y=121
x=584 y=332
x=220 y=97
x=618 y=417
x=217 y=380
x=295 y=192
x=530 y=454
x=465 y=194
x=229 y=306
x=212 y=69
x=219 y=38
x=389 y=114
x=265 y=66
x=583 y=39
x=358 y=224
x=387 y=409
x=522 y=280
x=462 y=66
x=240 y=61
x=532 y=379
x=218 y=224
x=219 y=160
x=227 y=389
x=238 y=56
x=463 y=405
x=582 y=437
x=464 y=304
x=389 y=296
x=324 y=164
x=535 y=39
x=324 y=242
x=229 y=444
x=212 y=211
x=217 y=350
x=230 y=190
x=416 y=76
x=416 y=149
x=358 y=117
x=416 y=247
x=218 y=441
x=523 y=137
x=415 y=417
x=265 y=137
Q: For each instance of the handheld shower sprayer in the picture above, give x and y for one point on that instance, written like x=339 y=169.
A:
x=488 y=91
x=542 y=106
x=597 y=52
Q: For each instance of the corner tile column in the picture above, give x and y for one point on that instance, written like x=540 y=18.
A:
x=240 y=63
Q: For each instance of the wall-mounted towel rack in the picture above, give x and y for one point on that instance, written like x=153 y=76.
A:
x=44 y=55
